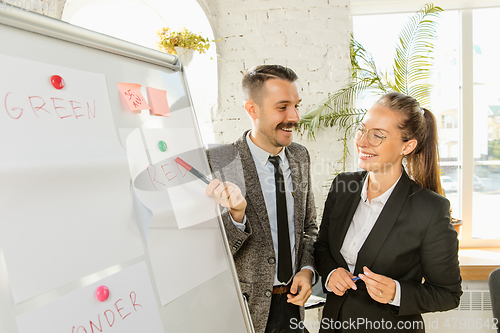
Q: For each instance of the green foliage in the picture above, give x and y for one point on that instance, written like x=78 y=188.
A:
x=412 y=68
x=169 y=39
x=494 y=149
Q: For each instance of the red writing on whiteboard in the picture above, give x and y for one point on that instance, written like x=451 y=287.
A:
x=120 y=310
x=166 y=172
x=17 y=107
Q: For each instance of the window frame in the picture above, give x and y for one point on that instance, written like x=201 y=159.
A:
x=465 y=163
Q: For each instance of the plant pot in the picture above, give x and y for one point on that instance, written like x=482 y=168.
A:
x=184 y=55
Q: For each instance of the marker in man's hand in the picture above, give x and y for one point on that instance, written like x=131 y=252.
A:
x=189 y=168
x=354 y=279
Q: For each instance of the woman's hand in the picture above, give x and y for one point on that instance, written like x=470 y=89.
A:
x=340 y=281
x=381 y=288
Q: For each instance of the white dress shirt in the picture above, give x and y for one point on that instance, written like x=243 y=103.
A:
x=265 y=170
x=362 y=224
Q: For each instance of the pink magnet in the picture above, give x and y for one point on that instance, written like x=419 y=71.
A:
x=57 y=82
x=102 y=293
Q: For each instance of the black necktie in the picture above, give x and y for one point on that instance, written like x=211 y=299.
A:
x=284 y=254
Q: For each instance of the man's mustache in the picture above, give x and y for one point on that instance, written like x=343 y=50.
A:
x=288 y=125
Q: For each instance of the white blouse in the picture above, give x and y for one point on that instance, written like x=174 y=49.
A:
x=361 y=225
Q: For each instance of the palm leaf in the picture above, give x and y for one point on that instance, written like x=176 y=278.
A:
x=364 y=77
x=413 y=60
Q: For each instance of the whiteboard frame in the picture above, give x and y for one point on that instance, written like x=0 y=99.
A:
x=36 y=23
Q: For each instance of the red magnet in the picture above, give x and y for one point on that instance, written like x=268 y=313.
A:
x=57 y=82
x=102 y=293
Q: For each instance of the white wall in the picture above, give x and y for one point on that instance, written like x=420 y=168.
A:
x=311 y=37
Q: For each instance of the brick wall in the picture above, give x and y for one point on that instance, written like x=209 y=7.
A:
x=309 y=36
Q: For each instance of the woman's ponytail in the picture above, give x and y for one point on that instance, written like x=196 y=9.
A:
x=422 y=164
x=419 y=124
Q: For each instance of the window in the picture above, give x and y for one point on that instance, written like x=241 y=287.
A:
x=449 y=119
x=486 y=145
x=466 y=102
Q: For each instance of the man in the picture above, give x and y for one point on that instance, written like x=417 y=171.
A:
x=270 y=212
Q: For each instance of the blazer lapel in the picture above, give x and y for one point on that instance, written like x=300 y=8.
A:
x=383 y=226
x=254 y=196
x=340 y=230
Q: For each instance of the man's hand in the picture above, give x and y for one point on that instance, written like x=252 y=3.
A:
x=340 y=281
x=228 y=195
x=302 y=280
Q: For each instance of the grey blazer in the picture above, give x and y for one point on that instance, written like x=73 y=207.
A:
x=252 y=249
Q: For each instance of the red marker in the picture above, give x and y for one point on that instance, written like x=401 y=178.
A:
x=57 y=82
x=189 y=168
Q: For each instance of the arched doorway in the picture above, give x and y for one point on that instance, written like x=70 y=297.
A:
x=137 y=21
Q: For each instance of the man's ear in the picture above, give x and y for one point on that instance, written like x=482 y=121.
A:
x=251 y=108
x=410 y=146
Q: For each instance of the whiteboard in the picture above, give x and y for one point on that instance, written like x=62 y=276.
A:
x=88 y=198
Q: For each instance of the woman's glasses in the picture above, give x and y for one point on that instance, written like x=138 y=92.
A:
x=374 y=136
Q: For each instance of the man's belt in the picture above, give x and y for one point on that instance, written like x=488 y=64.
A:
x=281 y=289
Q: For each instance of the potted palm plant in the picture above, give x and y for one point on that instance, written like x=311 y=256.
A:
x=412 y=67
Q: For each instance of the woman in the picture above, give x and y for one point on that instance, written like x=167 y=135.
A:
x=389 y=228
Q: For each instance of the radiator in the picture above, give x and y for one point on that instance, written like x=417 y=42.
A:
x=473 y=315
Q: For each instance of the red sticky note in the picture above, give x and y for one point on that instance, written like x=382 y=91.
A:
x=158 y=101
x=131 y=93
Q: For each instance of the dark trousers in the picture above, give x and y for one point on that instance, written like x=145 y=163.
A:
x=284 y=317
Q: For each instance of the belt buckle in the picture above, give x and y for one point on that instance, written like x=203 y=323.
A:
x=282 y=289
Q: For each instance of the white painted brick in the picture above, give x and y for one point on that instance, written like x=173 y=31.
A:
x=270 y=28
x=320 y=13
x=309 y=36
x=252 y=40
x=317 y=86
x=256 y=17
x=292 y=13
x=312 y=25
x=232 y=68
x=279 y=39
x=277 y=14
x=249 y=63
x=235 y=54
x=298 y=65
x=315 y=64
x=235 y=17
x=319 y=38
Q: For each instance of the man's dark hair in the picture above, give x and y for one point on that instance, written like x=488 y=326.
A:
x=254 y=79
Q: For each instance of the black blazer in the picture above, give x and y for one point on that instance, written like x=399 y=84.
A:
x=411 y=240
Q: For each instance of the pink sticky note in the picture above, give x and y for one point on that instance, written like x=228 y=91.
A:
x=131 y=93
x=158 y=101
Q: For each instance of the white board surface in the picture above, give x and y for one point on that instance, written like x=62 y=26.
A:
x=130 y=307
x=70 y=215
x=64 y=158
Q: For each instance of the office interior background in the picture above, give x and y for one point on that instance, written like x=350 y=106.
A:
x=312 y=37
